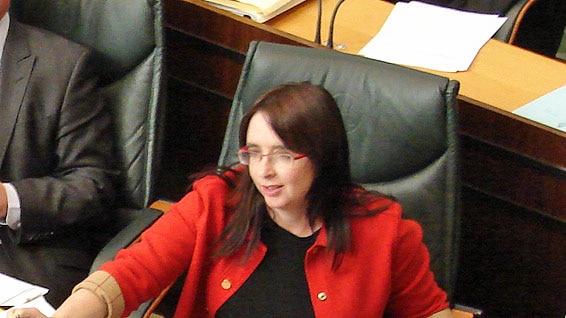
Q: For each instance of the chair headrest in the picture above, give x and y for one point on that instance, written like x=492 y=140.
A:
x=368 y=93
x=121 y=31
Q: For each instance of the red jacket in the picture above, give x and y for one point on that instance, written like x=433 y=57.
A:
x=386 y=270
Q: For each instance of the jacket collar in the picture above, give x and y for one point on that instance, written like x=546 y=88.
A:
x=15 y=70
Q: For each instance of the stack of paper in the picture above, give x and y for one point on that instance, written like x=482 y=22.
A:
x=257 y=10
x=17 y=293
x=265 y=6
x=433 y=37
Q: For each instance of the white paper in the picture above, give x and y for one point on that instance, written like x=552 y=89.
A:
x=15 y=292
x=549 y=109
x=265 y=6
x=40 y=303
x=433 y=37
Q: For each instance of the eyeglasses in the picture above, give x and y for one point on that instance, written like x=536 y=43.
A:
x=282 y=160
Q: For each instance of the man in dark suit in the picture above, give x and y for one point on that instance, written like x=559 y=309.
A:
x=56 y=176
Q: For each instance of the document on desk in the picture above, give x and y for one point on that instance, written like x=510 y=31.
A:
x=433 y=37
x=549 y=109
x=17 y=293
x=258 y=10
x=40 y=303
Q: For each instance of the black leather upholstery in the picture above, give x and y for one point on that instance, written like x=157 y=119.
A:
x=401 y=127
x=539 y=26
x=505 y=31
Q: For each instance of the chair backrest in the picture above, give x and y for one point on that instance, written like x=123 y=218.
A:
x=514 y=14
x=401 y=126
x=128 y=36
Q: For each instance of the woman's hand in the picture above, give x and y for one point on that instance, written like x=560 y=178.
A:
x=81 y=304
x=25 y=313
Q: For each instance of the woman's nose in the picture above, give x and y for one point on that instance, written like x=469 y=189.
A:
x=266 y=166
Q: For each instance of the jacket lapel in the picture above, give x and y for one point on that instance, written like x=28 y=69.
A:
x=15 y=70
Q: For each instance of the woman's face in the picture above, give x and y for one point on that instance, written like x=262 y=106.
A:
x=283 y=182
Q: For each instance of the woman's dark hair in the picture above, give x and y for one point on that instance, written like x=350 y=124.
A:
x=308 y=120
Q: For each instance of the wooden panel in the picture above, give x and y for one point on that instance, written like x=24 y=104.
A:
x=514 y=178
x=514 y=159
x=221 y=28
x=511 y=261
x=193 y=135
x=509 y=131
x=202 y=64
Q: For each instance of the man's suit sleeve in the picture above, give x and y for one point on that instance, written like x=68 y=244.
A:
x=79 y=189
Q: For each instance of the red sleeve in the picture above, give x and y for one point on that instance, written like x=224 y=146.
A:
x=146 y=268
x=414 y=293
x=166 y=249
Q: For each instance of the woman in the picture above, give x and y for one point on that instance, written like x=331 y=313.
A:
x=286 y=234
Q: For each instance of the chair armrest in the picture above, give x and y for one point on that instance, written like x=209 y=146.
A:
x=161 y=205
x=128 y=235
x=143 y=219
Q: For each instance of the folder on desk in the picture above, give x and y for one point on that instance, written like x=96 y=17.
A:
x=549 y=109
x=257 y=10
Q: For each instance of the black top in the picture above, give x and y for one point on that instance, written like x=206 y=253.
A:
x=278 y=287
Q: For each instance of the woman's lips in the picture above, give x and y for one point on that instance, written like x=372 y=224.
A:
x=271 y=190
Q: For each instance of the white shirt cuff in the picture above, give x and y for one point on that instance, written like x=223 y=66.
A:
x=13 y=217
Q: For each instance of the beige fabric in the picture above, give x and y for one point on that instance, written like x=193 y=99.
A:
x=446 y=313
x=105 y=286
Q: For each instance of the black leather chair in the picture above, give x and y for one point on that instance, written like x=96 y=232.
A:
x=128 y=36
x=536 y=25
x=401 y=127
x=514 y=14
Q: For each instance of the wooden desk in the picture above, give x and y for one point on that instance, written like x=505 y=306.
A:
x=514 y=170
x=499 y=67
x=501 y=79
